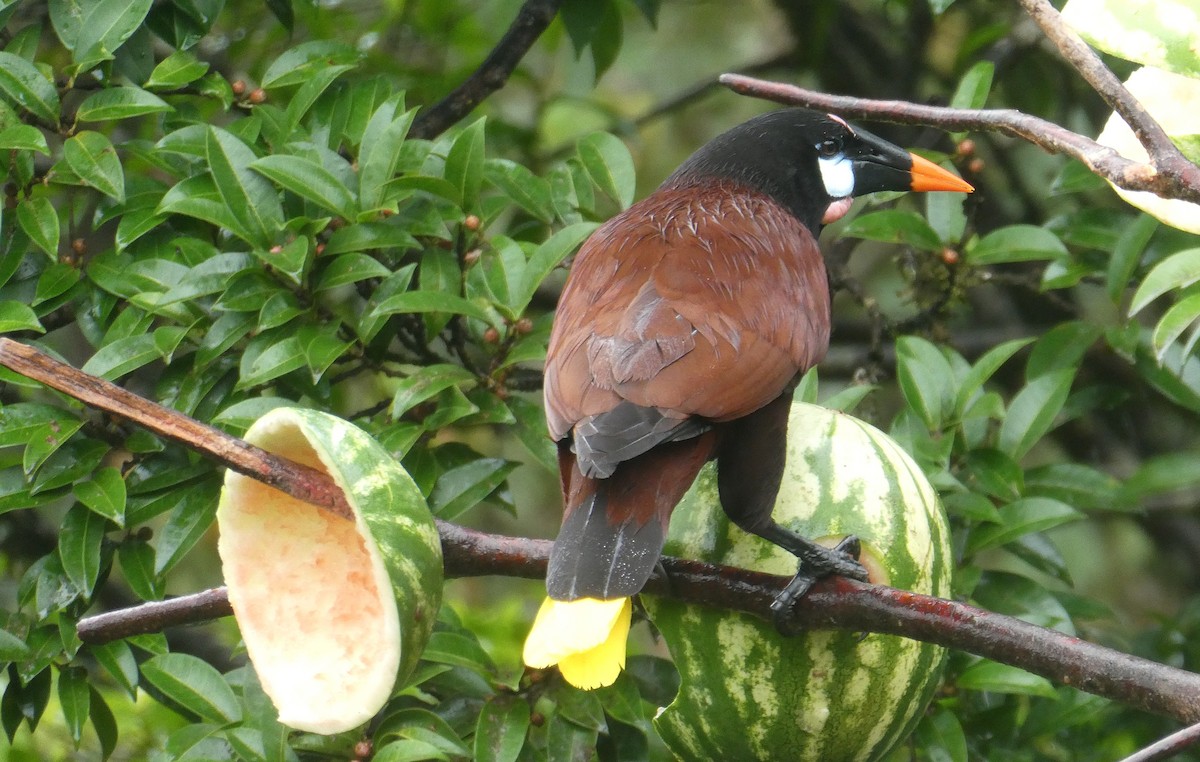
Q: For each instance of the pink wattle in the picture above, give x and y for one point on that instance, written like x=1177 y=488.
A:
x=837 y=210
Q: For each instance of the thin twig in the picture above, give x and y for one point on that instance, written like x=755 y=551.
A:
x=531 y=21
x=834 y=603
x=1102 y=160
x=1167 y=747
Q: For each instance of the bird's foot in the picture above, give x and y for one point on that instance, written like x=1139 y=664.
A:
x=815 y=564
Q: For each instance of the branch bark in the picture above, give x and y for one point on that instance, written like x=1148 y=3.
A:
x=1050 y=137
x=531 y=21
x=833 y=603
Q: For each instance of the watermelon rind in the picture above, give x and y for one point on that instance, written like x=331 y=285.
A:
x=748 y=692
x=333 y=612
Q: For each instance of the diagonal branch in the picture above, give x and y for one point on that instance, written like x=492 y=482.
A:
x=1102 y=160
x=531 y=21
x=833 y=603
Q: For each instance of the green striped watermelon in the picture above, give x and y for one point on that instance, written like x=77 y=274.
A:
x=749 y=693
x=333 y=612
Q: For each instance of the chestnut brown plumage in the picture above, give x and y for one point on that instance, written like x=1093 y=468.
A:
x=684 y=325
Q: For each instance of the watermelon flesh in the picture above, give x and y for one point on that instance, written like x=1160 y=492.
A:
x=332 y=612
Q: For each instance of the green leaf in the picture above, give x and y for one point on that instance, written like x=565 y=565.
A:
x=464 y=163
x=610 y=166
x=190 y=518
x=501 y=728
x=104 y=494
x=984 y=368
x=15 y=316
x=120 y=103
x=1016 y=243
x=247 y=195
x=39 y=220
x=79 y=541
x=973 y=88
x=525 y=189
x=117 y=658
x=1001 y=678
x=1161 y=474
x=106 y=26
x=1032 y=412
x=93 y=158
x=194 y=685
x=1019 y=518
x=925 y=379
x=278 y=359
x=308 y=180
x=894 y=226
x=350 y=268
x=379 y=154
x=431 y=301
x=138 y=559
x=297 y=65
x=197 y=197
x=1062 y=347
x=546 y=257
x=1181 y=316
x=74 y=696
x=103 y=722
x=176 y=70
x=1128 y=252
x=425 y=383
x=12 y=648
x=24 y=137
x=1179 y=270
x=122 y=356
x=462 y=488
x=941 y=738
x=23 y=84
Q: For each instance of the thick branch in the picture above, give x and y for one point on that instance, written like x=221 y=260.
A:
x=531 y=21
x=1102 y=160
x=834 y=603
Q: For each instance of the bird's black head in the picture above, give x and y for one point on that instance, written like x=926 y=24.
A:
x=811 y=163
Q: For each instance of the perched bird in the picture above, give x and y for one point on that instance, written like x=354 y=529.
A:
x=683 y=327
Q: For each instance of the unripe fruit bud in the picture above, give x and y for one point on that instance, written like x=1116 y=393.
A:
x=257 y=96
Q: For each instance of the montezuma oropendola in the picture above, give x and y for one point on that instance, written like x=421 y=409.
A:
x=684 y=325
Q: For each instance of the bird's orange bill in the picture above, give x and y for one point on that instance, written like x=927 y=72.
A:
x=927 y=176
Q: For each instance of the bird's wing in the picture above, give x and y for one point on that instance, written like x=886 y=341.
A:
x=689 y=304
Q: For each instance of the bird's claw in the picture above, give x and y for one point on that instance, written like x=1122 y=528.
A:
x=842 y=560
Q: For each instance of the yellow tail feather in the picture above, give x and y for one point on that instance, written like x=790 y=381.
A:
x=585 y=638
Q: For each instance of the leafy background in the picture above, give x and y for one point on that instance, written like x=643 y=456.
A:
x=229 y=208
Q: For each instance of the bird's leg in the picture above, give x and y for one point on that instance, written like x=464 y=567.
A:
x=844 y=555
x=750 y=464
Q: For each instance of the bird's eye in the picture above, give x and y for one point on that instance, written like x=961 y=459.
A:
x=827 y=149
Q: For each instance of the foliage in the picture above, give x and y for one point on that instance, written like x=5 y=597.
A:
x=225 y=208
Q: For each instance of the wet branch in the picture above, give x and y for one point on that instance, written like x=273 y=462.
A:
x=834 y=603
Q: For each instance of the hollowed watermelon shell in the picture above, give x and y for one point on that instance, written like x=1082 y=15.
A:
x=333 y=612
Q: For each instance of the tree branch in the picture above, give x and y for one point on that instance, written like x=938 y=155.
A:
x=531 y=21
x=1102 y=160
x=833 y=603
x=1164 y=154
